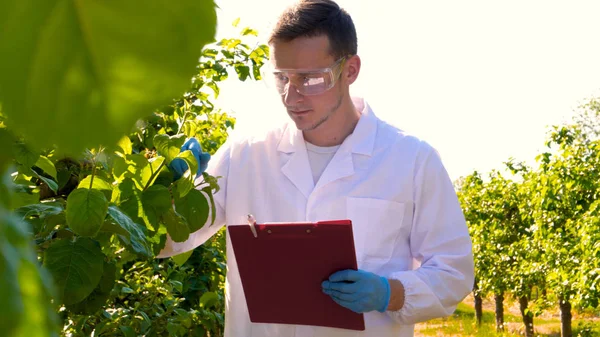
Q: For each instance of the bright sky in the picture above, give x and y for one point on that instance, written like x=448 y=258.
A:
x=479 y=80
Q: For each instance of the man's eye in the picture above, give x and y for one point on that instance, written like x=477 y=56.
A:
x=281 y=77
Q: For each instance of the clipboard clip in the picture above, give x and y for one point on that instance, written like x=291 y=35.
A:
x=252 y=224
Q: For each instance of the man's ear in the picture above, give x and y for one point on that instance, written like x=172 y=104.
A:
x=352 y=69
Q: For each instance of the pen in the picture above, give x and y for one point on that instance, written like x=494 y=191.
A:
x=252 y=223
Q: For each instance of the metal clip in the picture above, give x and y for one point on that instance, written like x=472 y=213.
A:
x=252 y=224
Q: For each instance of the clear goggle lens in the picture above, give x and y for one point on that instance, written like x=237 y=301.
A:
x=305 y=82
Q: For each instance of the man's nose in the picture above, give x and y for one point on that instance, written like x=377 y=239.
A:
x=291 y=95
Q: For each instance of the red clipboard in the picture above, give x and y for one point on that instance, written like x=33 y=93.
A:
x=282 y=269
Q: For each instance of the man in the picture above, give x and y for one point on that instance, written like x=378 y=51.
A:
x=336 y=159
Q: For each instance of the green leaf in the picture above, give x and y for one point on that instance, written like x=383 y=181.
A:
x=127 y=331
x=47 y=166
x=208 y=299
x=189 y=128
x=24 y=155
x=183 y=186
x=190 y=160
x=97 y=299
x=86 y=210
x=194 y=208
x=150 y=172
x=6 y=142
x=148 y=205
x=123 y=191
x=135 y=236
x=97 y=184
x=180 y=259
x=213 y=214
x=215 y=89
x=25 y=288
x=38 y=210
x=12 y=308
x=53 y=185
x=249 y=31
x=176 y=226
x=23 y=199
x=76 y=267
x=243 y=71
x=115 y=65
x=125 y=145
x=169 y=146
x=157 y=198
x=127 y=290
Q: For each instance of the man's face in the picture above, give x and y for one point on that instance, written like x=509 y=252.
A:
x=309 y=112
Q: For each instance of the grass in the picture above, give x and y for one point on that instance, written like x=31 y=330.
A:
x=463 y=323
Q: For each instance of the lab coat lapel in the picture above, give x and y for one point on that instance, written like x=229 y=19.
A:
x=360 y=142
x=296 y=166
x=340 y=166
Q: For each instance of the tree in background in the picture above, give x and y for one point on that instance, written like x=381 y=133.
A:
x=535 y=234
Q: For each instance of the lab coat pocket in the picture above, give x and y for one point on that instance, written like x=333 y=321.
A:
x=376 y=224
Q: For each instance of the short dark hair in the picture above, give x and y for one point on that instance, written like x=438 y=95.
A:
x=312 y=18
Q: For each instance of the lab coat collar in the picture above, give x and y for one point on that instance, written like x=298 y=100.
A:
x=297 y=167
x=361 y=141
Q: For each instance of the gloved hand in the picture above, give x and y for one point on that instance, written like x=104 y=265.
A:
x=178 y=166
x=359 y=291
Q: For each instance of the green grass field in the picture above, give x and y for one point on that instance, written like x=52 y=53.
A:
x=463 y=323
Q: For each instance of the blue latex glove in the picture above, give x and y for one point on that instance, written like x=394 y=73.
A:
x=178 y=166
x=359 y=291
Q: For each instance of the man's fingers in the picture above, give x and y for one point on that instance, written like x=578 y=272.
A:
x=349 y=297
x=344 y=275
x=344 y=287
x=348 y=304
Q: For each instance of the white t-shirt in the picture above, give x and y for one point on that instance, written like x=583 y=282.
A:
x=319 y=157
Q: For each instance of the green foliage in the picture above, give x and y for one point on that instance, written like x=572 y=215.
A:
x=162 y=298
x=95 y=186
x=535 y=234
x=25 y=288
x=117 y=62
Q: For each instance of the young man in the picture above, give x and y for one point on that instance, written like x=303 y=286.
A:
x=336 y=159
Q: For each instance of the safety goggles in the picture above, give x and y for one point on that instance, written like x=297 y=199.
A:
x=307 y=82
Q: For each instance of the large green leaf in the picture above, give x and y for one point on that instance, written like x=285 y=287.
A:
x=25 y=288
x=169 y=146
x=86 y=210
x=11 y=310
x=43 y=217
x=176 y=227
x=99 y=295
x=208 y=299
x=183 y=186
x=39 y=210
x=156 y=200
x=150 y=172
x=24 y=155
x=6 y=142
x=194 y=208
x=123 y=191
x=135 y=237
x=213 y=214
x=47 y=166
x=97 y=184
x=180 y=259
x=117 y=62
x=53 y=185
x=190 y=160
x=76 y=267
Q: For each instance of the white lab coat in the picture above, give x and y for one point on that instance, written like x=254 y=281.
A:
x=408 y=224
